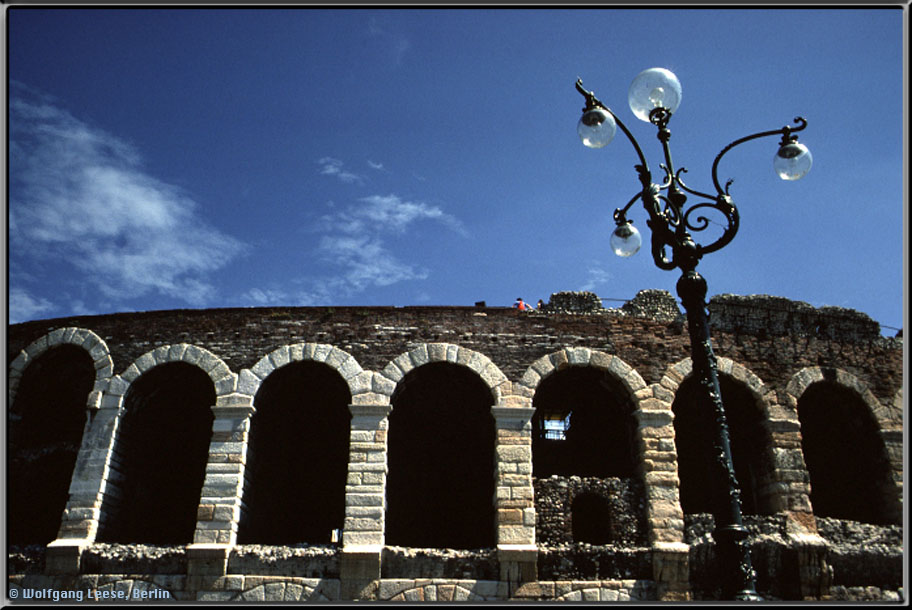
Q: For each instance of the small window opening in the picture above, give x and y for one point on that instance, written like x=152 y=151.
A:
x=555 y=426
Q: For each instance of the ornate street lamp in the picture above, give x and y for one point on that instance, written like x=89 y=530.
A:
x=654 y=96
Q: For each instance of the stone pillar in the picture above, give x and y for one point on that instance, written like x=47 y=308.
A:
x=514 y=500
x=893 y=498
x=219 y=509
x=671 y=571
x=90 y=485
x=363 y=535
x=789 y=490
x=814 y=574
x=658 y=466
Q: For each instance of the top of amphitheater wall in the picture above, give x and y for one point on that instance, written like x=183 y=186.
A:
x=774 y=337
x=759 y=314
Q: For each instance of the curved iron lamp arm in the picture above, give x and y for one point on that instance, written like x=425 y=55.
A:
x=594 y=102
x=668 y=220
x=786 y=133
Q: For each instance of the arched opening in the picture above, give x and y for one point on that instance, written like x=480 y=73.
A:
x=591 y=518
x=46 y=422
x=694 y=434
x=440 y=487
x=844 y=455
x=161 y=451
x=582 y=426
x=297 y=459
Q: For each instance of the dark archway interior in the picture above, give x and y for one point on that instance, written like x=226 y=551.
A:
x=297 y=457
x=591 y=519
x=600 y=439
x=844 y=455
x=163 y=447
x=440 y=491
x=46 y=424
x=694 y=434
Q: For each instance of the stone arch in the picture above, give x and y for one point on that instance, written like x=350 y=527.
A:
x=582 y=376
x=888 y=417
x=190 y=376
x=594 y=592
x=71 y=335
x=841 y=485
x=764 y=495
x=678 y=372
x=297 y=452
x=439 y=590
x=285 y=590
x=60 y=376
x=359 y=381
x=583 y=356
x=223 y=380
x=441 y=448
x=427 y=353
x=594 y=400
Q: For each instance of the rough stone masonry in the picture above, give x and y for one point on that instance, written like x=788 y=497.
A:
x=449 y=453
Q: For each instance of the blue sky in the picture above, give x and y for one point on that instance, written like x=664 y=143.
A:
x=212 y=157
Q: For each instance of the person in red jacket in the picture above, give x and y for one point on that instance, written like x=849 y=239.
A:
x=520 y=305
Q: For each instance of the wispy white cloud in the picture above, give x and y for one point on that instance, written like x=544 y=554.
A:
x=395 y=46
x=356 y=243
x=334 y=167
x=596 y=277
x=387 y=214
x=267 y=297
x=24 y=306
x=374 y=165
x=80 y=197
x=356 y=240
x=366 y=261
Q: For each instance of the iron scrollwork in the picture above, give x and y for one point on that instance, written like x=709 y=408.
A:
x=672 y=223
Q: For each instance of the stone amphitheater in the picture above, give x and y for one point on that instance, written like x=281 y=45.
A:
x=449 y=453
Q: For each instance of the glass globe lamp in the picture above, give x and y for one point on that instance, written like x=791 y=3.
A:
x=654 y=88
x=596 y=128
x=792 y=161
x=626 y=240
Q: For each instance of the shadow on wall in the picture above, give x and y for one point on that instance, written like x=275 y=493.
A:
x=845 y=457
x=297 y=459
x=441 y=460
x=160 y=457
x=45 y=432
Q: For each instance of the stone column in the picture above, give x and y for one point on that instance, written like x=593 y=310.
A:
x=219 y=509
x=89 y=485
x=363 y=535
x=514 y=500
x=894 y=447
x=665 y=520
x=814 y=574
x=789 y=490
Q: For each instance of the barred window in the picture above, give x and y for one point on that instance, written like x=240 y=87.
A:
x=555 y=426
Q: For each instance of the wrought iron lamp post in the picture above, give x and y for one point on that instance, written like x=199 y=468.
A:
x=654 y=96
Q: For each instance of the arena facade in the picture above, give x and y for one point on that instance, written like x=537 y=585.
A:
x=449 y=453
